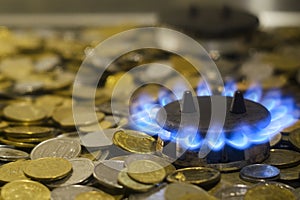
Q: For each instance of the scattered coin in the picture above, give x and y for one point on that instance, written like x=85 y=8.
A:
x=131 y=184
x=9 y=154
x=94 y=195
x=13 y=171
x=236 y=192
x=294 y=138
x=290 y=174
x=146 y=171
x=291 y=128
x=134 y=141
x=202 y=176
x=107 y=171
x=17 y=144
x=82 y=169
x=28 y=131
x=116 y=108
x=95 y=139
x=283 y=158
x=57 y=147
x=48 y=169
x=259 y=172
x=269 y=191
x=25 y=189
x=275 y=139
x=70 y=192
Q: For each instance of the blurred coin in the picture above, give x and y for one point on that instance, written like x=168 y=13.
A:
x=115 y=108
x=9 y=154
x=289 y=174
x=275 y=139
x=134 y=141
x=258 y=172
x=24 y=112
x=236 y=192
x=202 y=176
x=25 y=189
x=131 y=184
x=283 y=158
x=17 y=144
x=94 y=195
x=176 y=191
x=92 y=155
x=294 y=138
x=70 y=135
x=82 y=169
x=107 y=171
x=57 y=147
x=269 y=191
x=169 y=168
x=146 y=171
x=31 y=140
x=13 y=171
x=95 y=139
x=28 y=131
x=48 y=169
x=291 y=128
x=297 y=193
x=70 y=192
x=121 y=158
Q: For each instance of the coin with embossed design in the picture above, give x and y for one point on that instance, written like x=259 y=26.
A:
x=13 y=171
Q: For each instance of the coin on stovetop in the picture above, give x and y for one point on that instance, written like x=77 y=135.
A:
x=131 y=184
x=24 y=112
x=202 y=176
x=25 y=189
x=106 y=172
x=283 y=158
x=28 y=131
x=289 y=174
x=259 y=172
x=294 y=138
x=57 y=147
x=82 y=169
x=9 y=154
x=13 y=171
x=291 y=128
x=70 y=192
x=146 y=171
x=94 y=195
x=269 y=191
x=134 y=141
x=48 y=169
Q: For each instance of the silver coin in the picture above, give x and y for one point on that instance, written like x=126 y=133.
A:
x=283 y=158
x=82 y=169
x=289 y=174
x=70 y=192
x=235 y=192
x=57 y=147
x=153 y=194
x=107 y=171
x=259 y=172
x=96 y=139
x=9 y=154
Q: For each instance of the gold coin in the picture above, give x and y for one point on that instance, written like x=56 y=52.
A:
x=129 y=183
x=197 y=196
x=3 y=124
x=94 y=195
x=294 y=138
x=291 y=128
x=134 y=141
x=28 y=131
x=25 y=189
x=31 y=140
x=146 y=171
x=17 y=144
x=269 y=191
x=24 y=112
x=13 y=171
x=48 y=169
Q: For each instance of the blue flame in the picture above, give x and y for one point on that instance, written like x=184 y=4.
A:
x=244 y=135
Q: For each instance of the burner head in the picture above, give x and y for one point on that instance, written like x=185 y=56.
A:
x=172 y=117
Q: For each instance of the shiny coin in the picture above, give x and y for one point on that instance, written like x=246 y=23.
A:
x=17 y=144
x=283 y=158
x=134 y=141
x=294 y=138
x=202 y=176
x=275 y=139
x=181 y=191
x=291 y=128
x=131 y=184
x=289 y=174
x=169 y=168
x=13 y=171
x=95 y=139
x=92 y=155
x=58 y=147
x=31 y=140
x=24 y=112
x=70 y=192
x=269 y=191
x=107 y=171
x=48 y=169
x=82 y=169
x=146 y=171
x=94 y=195
x=8 y=154
x=259 y=172
x=236 y=192
x=25 y=189
x=28 y=131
